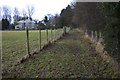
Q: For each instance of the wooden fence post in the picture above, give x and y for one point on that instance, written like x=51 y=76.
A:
x=100 y=34
x=63 y=30
x=96 y=35
x=51 y=35
x=27 y=41
x=92 y=34
x=55 y=34
x=47 y=34
x=40 y=38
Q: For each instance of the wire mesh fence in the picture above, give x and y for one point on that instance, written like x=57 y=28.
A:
x=15 y=43
x=94 y=35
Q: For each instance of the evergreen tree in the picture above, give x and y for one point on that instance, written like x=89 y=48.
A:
x=5 y=24
x=112 y=30
x=66 y=16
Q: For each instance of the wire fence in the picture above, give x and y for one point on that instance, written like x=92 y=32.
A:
x=94 y=35
x=17 y=44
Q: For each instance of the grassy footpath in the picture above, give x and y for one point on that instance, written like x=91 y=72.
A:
x=72 y=56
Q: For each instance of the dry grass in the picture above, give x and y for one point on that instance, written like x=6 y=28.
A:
x=104 y=55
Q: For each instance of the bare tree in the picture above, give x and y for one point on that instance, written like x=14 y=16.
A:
x=6 y=13
x=51 y=19
x=31 y=10
x=24 y=13
x=73 y=4
x=16 y=14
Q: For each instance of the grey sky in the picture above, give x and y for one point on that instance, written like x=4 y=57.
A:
x=42 y=7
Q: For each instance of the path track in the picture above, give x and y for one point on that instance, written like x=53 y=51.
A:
x=72 y=56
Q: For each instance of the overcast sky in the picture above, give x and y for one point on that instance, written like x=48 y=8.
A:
x=42 y=7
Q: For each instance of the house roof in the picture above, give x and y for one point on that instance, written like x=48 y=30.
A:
x=26 y=21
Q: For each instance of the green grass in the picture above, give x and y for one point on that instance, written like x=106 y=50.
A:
x=72 y=56
x=14 y=44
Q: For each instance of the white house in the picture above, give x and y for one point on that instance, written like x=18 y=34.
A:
x=28 y=23
x=18 y=27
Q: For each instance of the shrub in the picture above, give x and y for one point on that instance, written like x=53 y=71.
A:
x=111 y=39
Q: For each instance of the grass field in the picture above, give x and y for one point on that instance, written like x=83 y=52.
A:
x=14 y=44
x=72 y=56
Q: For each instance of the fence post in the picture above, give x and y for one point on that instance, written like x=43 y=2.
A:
x=40 y=37
x=55 y=34
x=92 y=34
x=96 y=35
x=100 y=34
x=27 y=40
x=64 y=30
x=51 y=35
x=47 y=34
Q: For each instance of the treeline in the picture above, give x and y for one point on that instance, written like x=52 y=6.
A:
x=48 y=22
x=17 y=16
x=104 y=17
x=112 y=28
x=58 y=20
